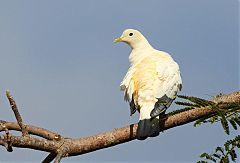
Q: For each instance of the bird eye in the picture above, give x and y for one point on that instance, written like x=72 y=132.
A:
x=130 y=34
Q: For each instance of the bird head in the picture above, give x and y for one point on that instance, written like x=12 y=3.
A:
x=133 y=38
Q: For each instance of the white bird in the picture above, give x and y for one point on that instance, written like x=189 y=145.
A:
x=151 y=83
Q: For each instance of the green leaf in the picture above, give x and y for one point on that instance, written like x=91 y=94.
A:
x=220 y=149
x=204 y=155
x=198 y=101
x=225 y=159
x=237 y=120
x=225 y=125
x=233 y=155
x=213 y=119
x=198 y=122
x=180 y=111
x=204 y=119
x=234 y=108
x=202 y=161
x=227 y=144
x=233 y=123
x=217 y=155
x=186 y=104
x=207 y=156
x=219 y=112
x=222 y=155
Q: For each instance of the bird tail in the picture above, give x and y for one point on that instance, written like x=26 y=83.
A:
x=147 y=128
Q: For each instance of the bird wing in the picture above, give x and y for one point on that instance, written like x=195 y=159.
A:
x=167 y=84
x=127 y=85
x=169 y=79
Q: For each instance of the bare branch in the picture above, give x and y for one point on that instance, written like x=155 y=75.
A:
x=44 y=133
x=50 y=157
x=58 y=158
x=8 y=141
x=59 y=147
x=33 y=143
x=16 y=113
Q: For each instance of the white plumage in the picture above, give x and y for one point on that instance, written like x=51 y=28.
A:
x=152 y=77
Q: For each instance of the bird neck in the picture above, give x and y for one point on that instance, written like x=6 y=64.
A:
x=140 y=50
x=139 y=45
x=138 y=54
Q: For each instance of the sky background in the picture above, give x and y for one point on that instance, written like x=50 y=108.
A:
x=58 y=60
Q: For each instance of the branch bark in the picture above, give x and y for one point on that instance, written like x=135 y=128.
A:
x=16 y=113
x=59 y=147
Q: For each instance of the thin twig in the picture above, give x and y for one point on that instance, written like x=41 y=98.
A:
x=3 y=142
x=8 y=141
x=50 y=157
x=58 y=158
x=33 y=130
x=16 y=113
x=55 y=154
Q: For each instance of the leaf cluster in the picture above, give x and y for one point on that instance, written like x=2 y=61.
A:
x=226 y=113
x=223 y=154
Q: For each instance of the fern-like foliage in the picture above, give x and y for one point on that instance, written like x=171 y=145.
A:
x=225 y=113
x=223 y=154
x=180 y=111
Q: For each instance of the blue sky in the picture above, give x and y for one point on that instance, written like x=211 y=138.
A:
x=58 y=60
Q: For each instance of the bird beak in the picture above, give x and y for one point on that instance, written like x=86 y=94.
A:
x=117 y=40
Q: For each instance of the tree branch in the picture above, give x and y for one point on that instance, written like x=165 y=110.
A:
x=50 y=157
x=16 y=113
x=60 y=147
